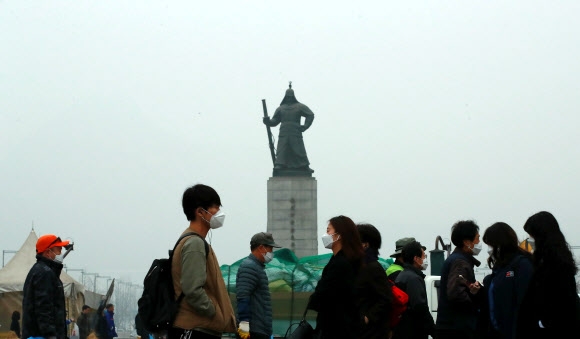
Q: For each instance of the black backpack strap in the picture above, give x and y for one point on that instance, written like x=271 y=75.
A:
x=188 y=234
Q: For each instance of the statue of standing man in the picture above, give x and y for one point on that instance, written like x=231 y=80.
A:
x=291 y=158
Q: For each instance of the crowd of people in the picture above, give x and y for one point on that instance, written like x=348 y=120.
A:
x=529 y=294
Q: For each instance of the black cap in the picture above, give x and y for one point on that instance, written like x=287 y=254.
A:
x=263 y=238
x=399 y=244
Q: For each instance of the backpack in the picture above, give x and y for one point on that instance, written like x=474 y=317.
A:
x=400 y=302
x=157 y=306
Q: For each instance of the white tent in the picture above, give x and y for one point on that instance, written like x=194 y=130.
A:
x=13 y=275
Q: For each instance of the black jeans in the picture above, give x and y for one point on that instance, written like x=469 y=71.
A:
x=254 y=335
x=453 y=334
x=179 y=333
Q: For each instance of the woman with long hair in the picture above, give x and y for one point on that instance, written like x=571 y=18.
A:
x=334 y=296
x=551 y=306
x=506 y=286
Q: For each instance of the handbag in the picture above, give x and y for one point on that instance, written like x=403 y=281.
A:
x=303 y=331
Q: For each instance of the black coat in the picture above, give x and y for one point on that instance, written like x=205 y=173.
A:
x=552 y=299
x=334 y=299
x=84 y=324
x=458 y=309
x=374 y=300
x=101 y=322
x=43 y=304
x=15 y=324
x=416 y=322
x=141 y=331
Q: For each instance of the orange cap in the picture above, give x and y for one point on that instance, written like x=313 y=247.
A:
x=48 y=241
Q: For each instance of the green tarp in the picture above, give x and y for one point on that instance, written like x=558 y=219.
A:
x=291 y=282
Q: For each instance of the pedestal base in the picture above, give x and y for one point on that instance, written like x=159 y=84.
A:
x=292 y=213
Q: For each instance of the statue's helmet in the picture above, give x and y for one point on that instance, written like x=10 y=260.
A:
x=289 y=97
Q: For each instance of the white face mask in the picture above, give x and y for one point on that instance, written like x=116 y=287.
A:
x=532 y=243
x=424 y=263
x=327 y=240
x=216 y=220
x=476 y=248
x=490 y=251
x=58 y=257
x=268 y=256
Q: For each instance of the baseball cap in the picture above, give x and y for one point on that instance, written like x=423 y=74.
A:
x=399 y=244
x=48 y=241
x=263 y=238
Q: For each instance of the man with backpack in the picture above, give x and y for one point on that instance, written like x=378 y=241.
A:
x=205 y=310
x=416 y=322
x=397 y=267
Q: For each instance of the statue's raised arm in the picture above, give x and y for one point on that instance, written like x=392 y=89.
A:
x=291 y=158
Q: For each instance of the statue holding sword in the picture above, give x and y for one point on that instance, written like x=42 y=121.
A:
x=290 y=158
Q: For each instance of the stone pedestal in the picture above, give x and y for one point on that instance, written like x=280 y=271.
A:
x=292 y=213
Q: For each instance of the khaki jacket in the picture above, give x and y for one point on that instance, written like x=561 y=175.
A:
x=224 y=319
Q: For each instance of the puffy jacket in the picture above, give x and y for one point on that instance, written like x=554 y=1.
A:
x=253 y=296
x=43 y=304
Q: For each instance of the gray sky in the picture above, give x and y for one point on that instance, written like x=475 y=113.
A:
x=425 y=114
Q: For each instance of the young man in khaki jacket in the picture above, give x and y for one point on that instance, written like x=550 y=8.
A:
x=205 y=310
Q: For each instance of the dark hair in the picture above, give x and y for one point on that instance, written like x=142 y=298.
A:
x=369 y=233
x=463 y=230
x=15 y=315
x=504 y=241
x=198 y=196
x=351 y=244
x=412 y=250
x=551 y=246
x=109 y=306
x=85 y=307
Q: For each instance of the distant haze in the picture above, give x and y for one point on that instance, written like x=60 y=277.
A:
x=425 y=113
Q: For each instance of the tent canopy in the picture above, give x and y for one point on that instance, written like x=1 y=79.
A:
x=13 y=275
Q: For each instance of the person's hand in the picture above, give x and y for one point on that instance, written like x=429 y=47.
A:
x=302 y=128
x=366 y=320
x=244 y=330
x=474 y=287
x=266 y=120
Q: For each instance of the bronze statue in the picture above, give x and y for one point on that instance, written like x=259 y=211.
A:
x=291 y=158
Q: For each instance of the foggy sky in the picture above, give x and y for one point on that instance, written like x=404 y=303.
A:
x=425 y=114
